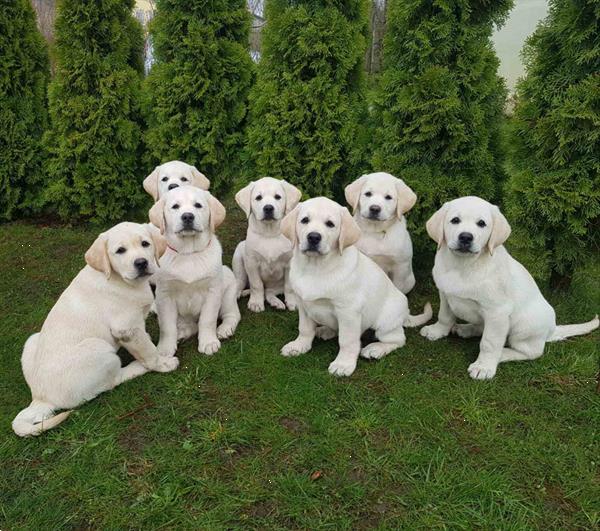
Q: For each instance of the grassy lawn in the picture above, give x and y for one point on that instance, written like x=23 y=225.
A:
x=249 y=439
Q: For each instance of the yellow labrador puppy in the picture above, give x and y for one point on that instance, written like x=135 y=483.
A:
x=379 y=202
x=171 y=175
x=261 y=261
x=74 y=357
x=340 y=290
x=480 y=283
x=193 y=287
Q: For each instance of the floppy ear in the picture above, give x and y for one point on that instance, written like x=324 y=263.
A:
x=500 y=230
x=151 y=183
x=97 y=256
x=199 y=179
x=288 y=225
x=435 y=225
x=160 y=244
x=406 y=198
x=349 y=231
x=217 y=212
x=244 y=199
x=292 y=196
x=157 y=215
x=353 y=190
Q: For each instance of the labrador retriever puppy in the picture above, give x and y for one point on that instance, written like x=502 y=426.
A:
x=261 y=261
x=379 y=202
x=481 y=283
x=171 y=175
x=74 y=357
x=193 y=287
x=340 y=290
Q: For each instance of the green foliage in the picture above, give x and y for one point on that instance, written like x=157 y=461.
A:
x=94 y=142
x=24 y=73
x=196 y=95
x=308 y=106
x=440 y=102
x=554 y=192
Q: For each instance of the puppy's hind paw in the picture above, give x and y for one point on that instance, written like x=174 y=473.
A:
x=325 y=333
x=434 y=332
x=277 y=303
x=165 y=364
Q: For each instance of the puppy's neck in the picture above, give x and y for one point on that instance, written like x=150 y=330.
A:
x=189 y=244
x=266 y=229
x=376 y=225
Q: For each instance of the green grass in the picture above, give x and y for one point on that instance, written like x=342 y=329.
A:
x=231 y=441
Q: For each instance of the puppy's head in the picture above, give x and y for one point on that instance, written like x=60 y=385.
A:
x=171 y=175
x=187 y=212
x=380 y=196
x=319 y=227
x=129 y=250
x=468 y=226
x=268 y=199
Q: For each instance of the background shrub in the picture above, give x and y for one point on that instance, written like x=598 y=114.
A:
x=554 y=192
x=308 y=106
x=95 y=137
x=24 y=73
x=196 y=94
x=439 y=103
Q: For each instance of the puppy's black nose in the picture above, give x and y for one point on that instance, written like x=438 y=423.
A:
x=187 y=218
x=314 y=238
x=465 y=238
x=375 y=210
x=268 y=210
x=140 y=263
x=173 y=185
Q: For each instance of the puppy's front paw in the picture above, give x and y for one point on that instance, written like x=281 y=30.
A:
x=291 y=302
x=209 y=346
x=434 y=332
x=482 y=370
x=342 y=367
x=256 y=305
x=295 y=348
x=165 y=364
x=277 y=303
x=466 y=330
x=166 y=350
x=225 y=330
x=325 y=333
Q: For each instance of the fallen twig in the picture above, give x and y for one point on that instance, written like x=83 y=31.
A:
x=147 y=403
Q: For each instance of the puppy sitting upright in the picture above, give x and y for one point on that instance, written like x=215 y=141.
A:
x=193 y=288
x=74 y=357
x=379 y=202
x=480 y=283
x=171 y=175
x=261 y=261
x=340 y=290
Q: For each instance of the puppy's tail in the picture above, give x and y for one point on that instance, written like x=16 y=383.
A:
x=565 y=331
x=417 y=320
x=36 y=419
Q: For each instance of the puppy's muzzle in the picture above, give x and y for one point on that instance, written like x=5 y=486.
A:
x=374 y=211
x=141 y=266
x=268 y=212
x=465 y=241
x=173 y=185
x=313 y=239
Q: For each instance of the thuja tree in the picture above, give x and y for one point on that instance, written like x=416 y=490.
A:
x=554 y=194
x=94 y=142
x=308 y=105
x=196 y=96
x=440 y=101
x=24 y=73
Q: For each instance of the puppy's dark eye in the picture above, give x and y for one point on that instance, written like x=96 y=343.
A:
x=145 y=244
x=197 y=205
x=304 y=220
x=330 y=224
x=175 y=206
x=184 y=180
x=120 y=250
x=455 y=221
x=388 y=197
x=481 y=223
x=368 y=194
x=258 y=197
x=277 y=197
x=164 y=179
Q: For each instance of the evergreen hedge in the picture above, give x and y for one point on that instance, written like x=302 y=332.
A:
x=308 y=107
x=439 y=103
x=94 y=142
x=196 y=95
x=554 y=193
x=24 y=73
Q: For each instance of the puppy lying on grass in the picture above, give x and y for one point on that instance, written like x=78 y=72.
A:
x=340 y=290
x=74 y=357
